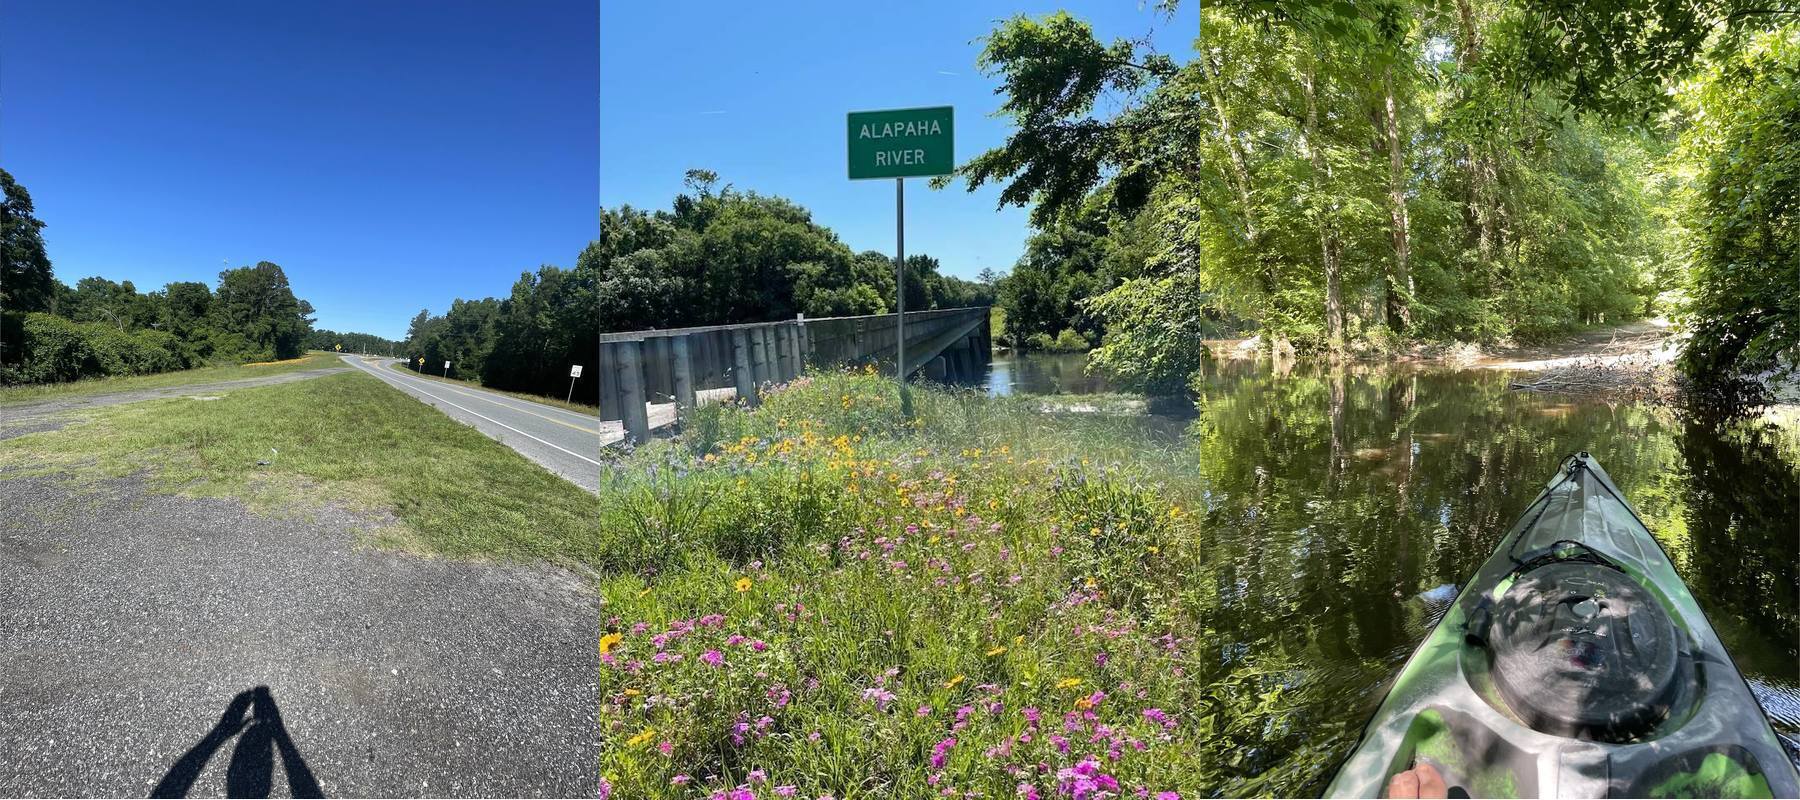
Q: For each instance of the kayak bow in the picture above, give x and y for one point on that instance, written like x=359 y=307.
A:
x=1574 y=664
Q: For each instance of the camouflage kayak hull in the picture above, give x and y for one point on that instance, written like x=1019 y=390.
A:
x=1575 y=663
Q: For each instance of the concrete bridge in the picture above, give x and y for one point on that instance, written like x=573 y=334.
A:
x=651 y=375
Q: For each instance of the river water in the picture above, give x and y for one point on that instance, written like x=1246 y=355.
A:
x=1338 y=497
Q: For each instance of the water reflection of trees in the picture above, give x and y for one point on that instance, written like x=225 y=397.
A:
x=1336 y=496
x=1743 y=544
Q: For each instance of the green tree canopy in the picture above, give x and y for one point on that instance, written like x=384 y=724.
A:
x=26 y=283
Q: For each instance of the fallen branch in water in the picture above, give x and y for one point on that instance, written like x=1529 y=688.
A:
x=1629 y=379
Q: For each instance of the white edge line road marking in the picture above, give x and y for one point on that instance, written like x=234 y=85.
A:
x=487 y=396
x=496 y=422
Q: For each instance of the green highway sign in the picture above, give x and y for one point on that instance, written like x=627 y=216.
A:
x=902 y=143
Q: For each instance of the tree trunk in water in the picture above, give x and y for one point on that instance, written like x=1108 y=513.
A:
x=1329 y=247
x=1399 y=283
x=1335 y=380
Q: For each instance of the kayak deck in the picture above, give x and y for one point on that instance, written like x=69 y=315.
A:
x=1575 y=663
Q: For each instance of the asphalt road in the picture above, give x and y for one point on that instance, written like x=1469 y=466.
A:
x=136 y=628
x=21 y=418
x=562 y=441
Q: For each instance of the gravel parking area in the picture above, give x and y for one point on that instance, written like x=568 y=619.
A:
x=136 y=628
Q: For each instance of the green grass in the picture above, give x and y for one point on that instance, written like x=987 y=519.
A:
x=346 y=439
x=549 y=401
x=823 y=592
x=54 y=391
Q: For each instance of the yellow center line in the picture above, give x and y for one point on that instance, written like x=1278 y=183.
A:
x=480 y=396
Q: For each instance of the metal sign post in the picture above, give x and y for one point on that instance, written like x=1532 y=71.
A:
x=906 y=409
x=574 y=372
x=446 y=369
x=898 y=144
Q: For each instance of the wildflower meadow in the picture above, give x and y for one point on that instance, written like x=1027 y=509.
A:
x=817 y=598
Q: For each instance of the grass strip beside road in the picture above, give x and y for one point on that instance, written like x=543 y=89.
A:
x=52 y=391
x=345 y=439
x=549 y=401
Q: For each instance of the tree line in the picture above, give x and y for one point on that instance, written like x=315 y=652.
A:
x=330 y=340
x=717 y=256
x=721 y=256
x=1352 y=179
x=525 y=342
x=99 y=327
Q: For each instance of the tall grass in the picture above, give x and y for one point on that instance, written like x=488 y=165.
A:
x=818 y=597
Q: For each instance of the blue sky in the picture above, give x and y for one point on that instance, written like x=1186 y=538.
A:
x=758 y=91
x=390 y=155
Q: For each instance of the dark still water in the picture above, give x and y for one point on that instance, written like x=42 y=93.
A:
x=1335 y=499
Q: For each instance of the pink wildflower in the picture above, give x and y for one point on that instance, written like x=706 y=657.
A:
x=940 y=751
x=879 y=696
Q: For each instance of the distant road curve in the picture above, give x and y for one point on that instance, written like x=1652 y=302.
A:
x=562 y=441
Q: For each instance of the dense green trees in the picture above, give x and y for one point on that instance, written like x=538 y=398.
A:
x=1347 y=177
x=50 y=331
x=717 y=256
x=1744 y=131
x=722 y=256
x=526 y=342
x=25 y=281
x=330 y=340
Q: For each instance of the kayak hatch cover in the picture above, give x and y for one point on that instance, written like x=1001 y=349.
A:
x=1574 y=664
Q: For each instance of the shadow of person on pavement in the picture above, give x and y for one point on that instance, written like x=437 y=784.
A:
x=252 y=764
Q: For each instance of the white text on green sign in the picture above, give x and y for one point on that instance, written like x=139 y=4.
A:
x=902 y=143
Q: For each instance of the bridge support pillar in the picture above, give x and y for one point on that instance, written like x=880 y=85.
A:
x=684 y=375
x=937 y=369
x=742 y=370
x=784 y=352
x=759 y=355
x=777 y=364
x=631 y=388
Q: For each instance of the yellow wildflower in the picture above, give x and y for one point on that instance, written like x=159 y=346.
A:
x=644 y=736
x=609 y=641
x=1001 y=649
x=951 y=684
x=743 y=585
x=1068 y=683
